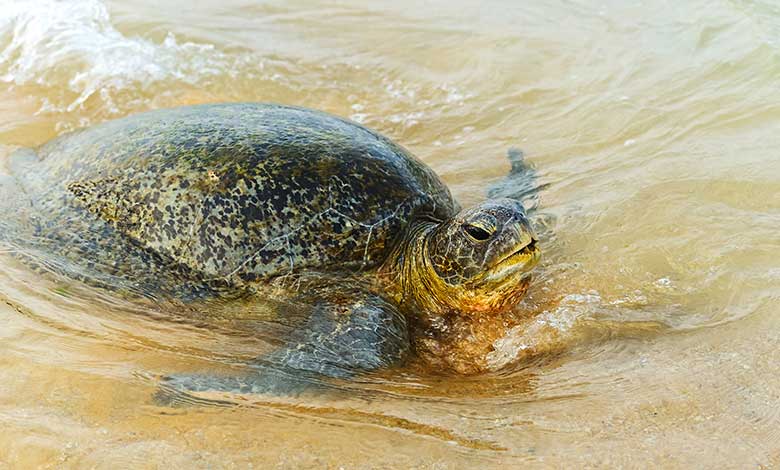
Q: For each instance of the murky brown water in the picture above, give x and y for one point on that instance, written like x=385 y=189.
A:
x=656 y=125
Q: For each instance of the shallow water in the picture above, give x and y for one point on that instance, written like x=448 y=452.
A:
x=653 y=329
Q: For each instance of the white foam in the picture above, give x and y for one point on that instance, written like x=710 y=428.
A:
x=546 y=332
x=72 y=49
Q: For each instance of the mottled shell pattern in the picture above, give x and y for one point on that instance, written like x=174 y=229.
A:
x=237 y=192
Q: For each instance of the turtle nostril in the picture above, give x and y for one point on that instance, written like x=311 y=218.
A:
x=477 y=233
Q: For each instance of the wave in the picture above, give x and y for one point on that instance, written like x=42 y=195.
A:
x=80 y=68
x=70 y=53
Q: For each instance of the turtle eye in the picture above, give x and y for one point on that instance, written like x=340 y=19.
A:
x=477 y=233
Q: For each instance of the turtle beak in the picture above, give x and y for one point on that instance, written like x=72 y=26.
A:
x=526 y=245
x=521 y=261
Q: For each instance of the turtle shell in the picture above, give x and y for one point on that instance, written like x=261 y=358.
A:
x=243 y=191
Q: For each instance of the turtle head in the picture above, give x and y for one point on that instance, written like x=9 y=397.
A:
x=479 y=261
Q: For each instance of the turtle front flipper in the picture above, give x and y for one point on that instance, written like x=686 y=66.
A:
x=350 y=331
x=265 y=379
x=521 y=184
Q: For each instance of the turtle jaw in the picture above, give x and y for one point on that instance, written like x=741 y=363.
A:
x=521 y=260
x=505 y=283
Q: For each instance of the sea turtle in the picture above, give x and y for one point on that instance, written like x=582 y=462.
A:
x=243 y=199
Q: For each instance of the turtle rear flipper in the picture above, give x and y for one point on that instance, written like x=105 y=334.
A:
x=9 y=197
x=16 y=207
x=8 y=188
x=21 y=161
